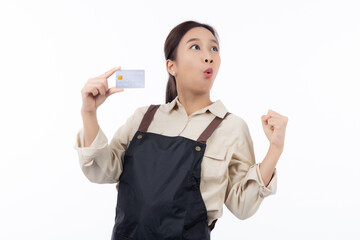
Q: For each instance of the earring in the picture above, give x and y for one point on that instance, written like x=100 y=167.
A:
x=174 y=73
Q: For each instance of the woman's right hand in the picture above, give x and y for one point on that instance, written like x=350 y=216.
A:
x=96 y=90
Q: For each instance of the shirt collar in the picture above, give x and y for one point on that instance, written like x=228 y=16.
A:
x=217 y=107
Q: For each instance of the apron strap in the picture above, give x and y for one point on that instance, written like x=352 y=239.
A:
x=211 y=128
x=145 y=123
x=212 y=225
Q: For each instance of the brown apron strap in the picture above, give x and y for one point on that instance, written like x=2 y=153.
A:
x=148 y=117
x=212 y=225
x=211 y=128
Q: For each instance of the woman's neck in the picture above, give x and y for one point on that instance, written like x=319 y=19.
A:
x=193 y=103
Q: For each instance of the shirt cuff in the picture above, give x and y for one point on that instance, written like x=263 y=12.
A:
x=272 y=185
x=264 y=191
x=88 y=154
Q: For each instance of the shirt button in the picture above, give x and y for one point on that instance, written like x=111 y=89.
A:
x=197 y=148
x=139 y=136
x=261 y=195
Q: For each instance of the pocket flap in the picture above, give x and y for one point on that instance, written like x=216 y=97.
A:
x=215 y=153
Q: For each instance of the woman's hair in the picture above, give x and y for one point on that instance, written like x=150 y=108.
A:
x=170 y=49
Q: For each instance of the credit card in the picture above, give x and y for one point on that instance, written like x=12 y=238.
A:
x=130 y=78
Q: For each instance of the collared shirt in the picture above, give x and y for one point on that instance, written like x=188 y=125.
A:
x=229 y=173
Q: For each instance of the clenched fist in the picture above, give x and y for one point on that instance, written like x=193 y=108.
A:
x=274 y=126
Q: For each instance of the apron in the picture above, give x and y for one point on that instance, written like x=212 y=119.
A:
x=159 y=189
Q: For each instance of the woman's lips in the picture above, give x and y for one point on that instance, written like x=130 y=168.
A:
x=208 y=72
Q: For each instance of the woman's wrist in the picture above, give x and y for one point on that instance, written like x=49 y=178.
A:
x=276 y=149
x=87 y=113
x=267 y=166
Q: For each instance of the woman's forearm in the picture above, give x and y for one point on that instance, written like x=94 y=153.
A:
x=91 y=127
x=268 y=165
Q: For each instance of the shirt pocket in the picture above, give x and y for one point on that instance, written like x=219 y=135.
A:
x=213 y=164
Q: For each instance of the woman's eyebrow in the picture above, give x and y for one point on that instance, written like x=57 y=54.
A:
x=196 y=39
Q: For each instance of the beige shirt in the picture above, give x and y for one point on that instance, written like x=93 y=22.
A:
x=229 y=173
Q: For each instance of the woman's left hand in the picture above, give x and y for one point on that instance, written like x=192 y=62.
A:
x=274 y=126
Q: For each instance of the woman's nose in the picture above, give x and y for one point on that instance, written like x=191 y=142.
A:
x=206 y=60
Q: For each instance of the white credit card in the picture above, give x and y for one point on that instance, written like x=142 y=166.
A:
x=130 y=78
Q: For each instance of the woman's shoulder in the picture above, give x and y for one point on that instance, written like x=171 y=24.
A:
x=235 y=128
x=234 y=121
x=141 y=109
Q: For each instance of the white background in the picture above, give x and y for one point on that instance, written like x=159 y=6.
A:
x=299 y=58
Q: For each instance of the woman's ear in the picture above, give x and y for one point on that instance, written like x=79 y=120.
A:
x=170 y=66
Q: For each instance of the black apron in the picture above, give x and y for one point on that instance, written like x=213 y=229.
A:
x=159 y=189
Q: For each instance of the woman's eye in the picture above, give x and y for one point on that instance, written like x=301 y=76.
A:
x=194 y=46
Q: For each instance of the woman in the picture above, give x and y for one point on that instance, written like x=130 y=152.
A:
x=177 y=163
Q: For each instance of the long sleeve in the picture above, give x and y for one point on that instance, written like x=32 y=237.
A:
x=246 y=190
x=102 y=162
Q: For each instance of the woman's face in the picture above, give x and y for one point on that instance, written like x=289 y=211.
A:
x=196 y=52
